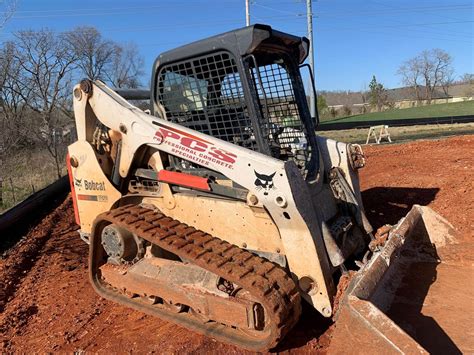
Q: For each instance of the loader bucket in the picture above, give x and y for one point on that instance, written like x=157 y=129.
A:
x=383 y=308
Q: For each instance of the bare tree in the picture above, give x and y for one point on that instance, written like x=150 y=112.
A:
x=127 y=67
x=9 y=8
x=95 y=55
x=467 y=78
x=105 y=60
x=346 y=110
x=36 y=71
x=447 y=80
x=433 y=68
x=436 y=69
x=13 y=121
x=410 y=71
x=46 y=66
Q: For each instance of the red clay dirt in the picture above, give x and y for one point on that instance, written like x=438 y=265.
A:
x=47 y=303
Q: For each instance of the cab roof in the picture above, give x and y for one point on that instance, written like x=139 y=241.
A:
x=240 y=42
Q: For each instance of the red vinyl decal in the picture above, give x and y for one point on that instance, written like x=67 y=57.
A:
x=193 y=148
x=185 y=134
x=87 y=197
x=182 y=179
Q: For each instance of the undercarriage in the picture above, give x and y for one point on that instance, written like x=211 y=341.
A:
x=169 y=269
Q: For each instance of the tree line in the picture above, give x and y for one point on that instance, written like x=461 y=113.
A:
x=429 y=70
x=427 y=74
x=38 y=69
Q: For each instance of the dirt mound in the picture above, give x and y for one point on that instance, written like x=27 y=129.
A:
x=436 y=173
x=47 y=303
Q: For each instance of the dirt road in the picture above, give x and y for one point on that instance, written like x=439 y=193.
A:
x=47 y=303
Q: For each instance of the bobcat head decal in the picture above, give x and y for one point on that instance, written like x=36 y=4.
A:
x=78 y=182
x=264 y=182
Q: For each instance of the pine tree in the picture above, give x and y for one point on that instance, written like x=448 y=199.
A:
x=377 y=94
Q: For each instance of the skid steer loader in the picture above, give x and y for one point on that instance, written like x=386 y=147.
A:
x=220 y=209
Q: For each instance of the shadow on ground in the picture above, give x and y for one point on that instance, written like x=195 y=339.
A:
x=420 y=270
x=393 y=203
x=309 y=328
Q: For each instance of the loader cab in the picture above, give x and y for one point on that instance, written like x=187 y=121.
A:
x=243 y=87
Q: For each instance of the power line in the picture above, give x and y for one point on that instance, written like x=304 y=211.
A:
x=398 y=27
x=176 y=26
x=413 y=25
x=384 y=26
x=293 y=17
x=237 y=21
x=173 y=4
x=395 y=8
x=457 y=33
x=115 y=11
x=126 y=10
x=397 y=35
x=380 y=12
x=278 y=10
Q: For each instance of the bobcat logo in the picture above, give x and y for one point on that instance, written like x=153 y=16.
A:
x=78 y=182
x=264 y=182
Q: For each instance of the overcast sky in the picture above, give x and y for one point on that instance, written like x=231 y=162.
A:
x=354 y=39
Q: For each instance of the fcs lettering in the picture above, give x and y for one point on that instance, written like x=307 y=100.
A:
x=166 y=133
x=222 y=155
x=195 y=144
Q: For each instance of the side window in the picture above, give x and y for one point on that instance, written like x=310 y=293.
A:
x=183 y=93
x=231 y=88
x=282 y=126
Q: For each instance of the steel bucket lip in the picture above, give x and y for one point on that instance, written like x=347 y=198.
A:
x=406 y=234
x=370 y=292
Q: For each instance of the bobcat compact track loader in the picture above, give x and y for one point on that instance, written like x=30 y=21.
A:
x=221 y=210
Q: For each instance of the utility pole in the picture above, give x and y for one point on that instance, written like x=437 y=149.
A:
x=309 y=18
x=247 y=13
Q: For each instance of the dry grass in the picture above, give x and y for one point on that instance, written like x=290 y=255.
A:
x=24 y=172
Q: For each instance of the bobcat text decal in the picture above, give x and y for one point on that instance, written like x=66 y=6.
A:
x=194 y=148
x=89 y=184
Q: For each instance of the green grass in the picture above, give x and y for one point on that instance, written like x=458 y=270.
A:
x=401 y=134
x=439 y=110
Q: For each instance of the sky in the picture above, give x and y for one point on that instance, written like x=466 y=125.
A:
x=353 y=39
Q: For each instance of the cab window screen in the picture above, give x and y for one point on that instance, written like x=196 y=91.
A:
x=206 y=94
